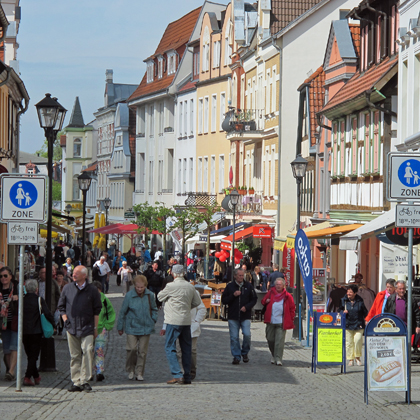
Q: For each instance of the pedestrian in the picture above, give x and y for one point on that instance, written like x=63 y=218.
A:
x=105 y=324
x=103 y=273
x=397 y=305
x=58 y=254
x=69 y=265
x=117 y=264
x=247 y=274
x=155 y=279
x=279 y=317
x=381 y=299
x=274 y=276
x=355 y=310
x=137 y=318
x=180 y=298
x=32 y=330
x=240 y=297
x=89 y=261
x=257 y=279
x=80 y=306
x=70 y=252
x=146 y=255
x=125 y=273
x=55 y=289
x=9 y=320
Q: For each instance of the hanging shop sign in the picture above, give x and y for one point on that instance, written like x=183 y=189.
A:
x=399 y=236
x=262 y=231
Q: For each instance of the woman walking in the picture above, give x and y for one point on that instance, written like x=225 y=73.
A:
x=352 y=305
x=117 y=263
x=105 y=324
x=279 y=317
x=125 y=273
x=137 y=319
x=32 y=330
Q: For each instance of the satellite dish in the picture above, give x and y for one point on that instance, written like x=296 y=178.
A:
x=227 y=205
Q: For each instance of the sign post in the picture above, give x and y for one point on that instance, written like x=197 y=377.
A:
x=387 y=356
x=329 y=340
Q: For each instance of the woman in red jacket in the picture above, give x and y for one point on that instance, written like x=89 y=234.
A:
x=279 y=316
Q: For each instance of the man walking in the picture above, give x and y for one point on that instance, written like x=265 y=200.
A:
x=179 y=297
x=80 y=305
x=240 y=297
x=104 y=273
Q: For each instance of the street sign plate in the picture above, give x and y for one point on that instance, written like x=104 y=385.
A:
x=403 y=177
x=202 y=238
x=22 y=233
x=23 y=198
x=407 y=215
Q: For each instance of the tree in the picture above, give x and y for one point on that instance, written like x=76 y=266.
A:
x=56 y=191
x=163 y=213
x=57 y=150
x=207 y=216
x=145 y=218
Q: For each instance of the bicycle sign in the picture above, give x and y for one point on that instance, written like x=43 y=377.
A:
x=19 y=233
x=407 y=215
x=403 y=177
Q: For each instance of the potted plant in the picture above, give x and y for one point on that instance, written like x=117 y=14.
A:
x=251 y=190
x=242 y=190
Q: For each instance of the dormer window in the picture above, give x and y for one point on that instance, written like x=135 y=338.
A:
x=150 y=70
x=171 y=63
x=206 y=50
x=160 y=67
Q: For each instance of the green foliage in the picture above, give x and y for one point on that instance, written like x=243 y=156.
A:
x=163 y=213
x=145 y=218
x=57 y=150
x=56 y=191
x=188 y=220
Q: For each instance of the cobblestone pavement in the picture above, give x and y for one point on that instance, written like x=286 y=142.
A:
x=221 y=390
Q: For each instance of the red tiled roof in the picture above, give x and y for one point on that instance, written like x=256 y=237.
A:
x=176 y=35
x=355 y=35
x=360 y=83
x=91 y=168
x=316 y=98
x=188 y=86
x=285 y=11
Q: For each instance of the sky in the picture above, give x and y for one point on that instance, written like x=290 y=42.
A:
x=65 y=47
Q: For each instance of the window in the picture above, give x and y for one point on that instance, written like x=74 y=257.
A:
x=206 y=49
x=200 y=175
x=150 y=70
x=242 y=104
x=180 y=176
x=216 y=54
x=181 y=110
x=150 y=174
x=185 y=118
x=77 y=148
x=206 y=175
x=191 y=175
x=200 y=116
x=222 y=109
x=228 y=43
x=192 y=117
x=160 y=67
x=196 y=64
x=354 y=146
x=141 y=172
x=206 y=114
x=213 y=175
x=77 y=168
x=161 y=117
x=170 y=169
x=171 y=63
x=160 y=176
x=151 y=120
x=184 y=176
x=141 y=121
x=221 y=172
x=367 y=142
x=273 y=92
x=213 y=112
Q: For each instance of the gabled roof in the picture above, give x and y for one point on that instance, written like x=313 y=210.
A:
x=354 y=90
x=176 y=35
x=76 y=119
x=118 y=92
x=285 y=11
x=355 y=36
x=25 y=157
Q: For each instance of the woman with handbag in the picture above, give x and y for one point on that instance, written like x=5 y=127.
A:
x=33 y=306
x=9 y=319
x=125 y=274
x=137 y=318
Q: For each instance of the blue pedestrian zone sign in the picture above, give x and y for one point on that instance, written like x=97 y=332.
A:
x=409 y=173
x=23 y=198
x=403 y=176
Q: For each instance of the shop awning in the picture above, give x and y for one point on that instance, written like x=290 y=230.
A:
x=381 y=224
x=216 y=218
x=227 y=241
x=332 y=231
x=196 y=239
x=227 y=228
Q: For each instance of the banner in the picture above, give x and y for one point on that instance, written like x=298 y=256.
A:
x=289 y=265
x=303 y=253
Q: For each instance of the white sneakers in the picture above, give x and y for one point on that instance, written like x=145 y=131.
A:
x=272 y=360
x=139 y=378
x=278 y=363
x=131 y=375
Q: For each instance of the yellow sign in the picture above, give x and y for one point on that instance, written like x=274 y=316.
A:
x=330 y=345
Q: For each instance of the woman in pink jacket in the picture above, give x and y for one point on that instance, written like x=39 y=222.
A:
x=279 y=316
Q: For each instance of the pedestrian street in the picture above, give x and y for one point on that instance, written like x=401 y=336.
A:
x=221 y=390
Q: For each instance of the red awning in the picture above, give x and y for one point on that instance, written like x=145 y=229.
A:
x=120 y=229
x=226 y=242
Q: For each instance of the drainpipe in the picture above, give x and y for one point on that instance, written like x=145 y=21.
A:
x=380 y=12
x=372 y=27
x=321 y=124
x=378 y=107
x=280 y=50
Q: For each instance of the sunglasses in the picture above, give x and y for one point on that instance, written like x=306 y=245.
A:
x=4 y=275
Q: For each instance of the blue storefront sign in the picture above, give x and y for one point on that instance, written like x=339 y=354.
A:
x=303 y=252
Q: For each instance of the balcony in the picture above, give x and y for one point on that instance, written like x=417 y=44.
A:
x=244 y=123
x=250 y=204
x=201 y=199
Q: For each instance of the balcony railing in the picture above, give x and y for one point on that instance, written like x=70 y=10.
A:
x=200 y=199
x=243 y=121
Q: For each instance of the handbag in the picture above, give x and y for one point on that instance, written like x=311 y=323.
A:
x=129 y=279
x=47 y=328
x=216 y=273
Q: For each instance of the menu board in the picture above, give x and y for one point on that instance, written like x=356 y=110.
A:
x=330 y=345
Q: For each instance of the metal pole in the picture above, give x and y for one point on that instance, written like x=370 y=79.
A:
x=106 y=236
x=84 y=228
x=297 y=331
x=409 y=307
x=183 y=241
x=20 y=322
x=232 y=248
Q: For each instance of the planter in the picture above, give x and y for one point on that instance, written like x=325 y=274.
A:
x=239 y=127
x=242 y=192
x=250 y=192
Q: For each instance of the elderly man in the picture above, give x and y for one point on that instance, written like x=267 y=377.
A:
x=240 y=297
x=397 y=305
x=179 y=297
x=381 y=300
x=80 y=305
x=104 y=272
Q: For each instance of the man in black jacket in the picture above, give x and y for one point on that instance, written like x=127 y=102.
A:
x=154 y=280
x=80 y=305
x=240 y=297
x=397 y=305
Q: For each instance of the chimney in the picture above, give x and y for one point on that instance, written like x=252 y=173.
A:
x=109 y=75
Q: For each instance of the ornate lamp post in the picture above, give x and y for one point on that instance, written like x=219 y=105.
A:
x=107 y=204
x=68 y=209
x=299 y=170
x=84 y=184
x=51 y=118
x=234 y=200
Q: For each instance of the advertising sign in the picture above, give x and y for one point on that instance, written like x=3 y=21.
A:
x=289 y=263
x=319 y=292
x=399 y=236
x=303 y=252
x=216 y=298
x=403 y=180
x=261 y=232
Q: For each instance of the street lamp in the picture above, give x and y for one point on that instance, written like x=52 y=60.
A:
x=51 y=118
x=68 y=209
x=84 y=184
x=299 y=170
x=107 y=204
x=234 y=200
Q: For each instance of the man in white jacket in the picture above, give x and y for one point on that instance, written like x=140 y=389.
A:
x=179 y=297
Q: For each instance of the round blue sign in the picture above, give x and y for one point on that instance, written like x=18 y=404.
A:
x=409 y=173
x=23 y=194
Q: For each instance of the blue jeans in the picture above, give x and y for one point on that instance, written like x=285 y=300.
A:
x=235 y=346
x=105 y=284
x=183 y=333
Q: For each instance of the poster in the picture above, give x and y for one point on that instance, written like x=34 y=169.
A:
x=386 y=363
x=330 y=345
x=319 y=286
x=215 y=298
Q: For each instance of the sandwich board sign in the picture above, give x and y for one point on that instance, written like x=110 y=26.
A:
x=23 y=198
